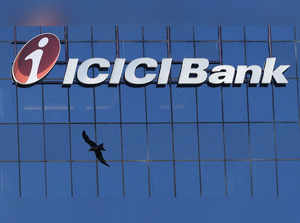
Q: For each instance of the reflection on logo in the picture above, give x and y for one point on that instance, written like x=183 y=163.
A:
x=36 y=59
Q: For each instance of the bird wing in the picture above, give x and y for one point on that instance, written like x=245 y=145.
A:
x=101 y=147
x=87 y=140
x=101 y=158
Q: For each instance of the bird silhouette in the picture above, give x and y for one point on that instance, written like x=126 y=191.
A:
x=95 y=148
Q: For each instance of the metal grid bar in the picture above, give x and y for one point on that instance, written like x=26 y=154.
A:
x=248 y=119
x=273 y=115
x=197 y=119
x=220 y=44
x=121 y=116
x=171 y=110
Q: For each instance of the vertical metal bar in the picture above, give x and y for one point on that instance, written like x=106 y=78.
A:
x=197 y=119
x=66 y=37
x=273 y=115
x=120 y=109
x=297 y=69
x=220 y=43
x=248 y=117
x=44 y=138
x=95 y=113
x=18 y=121
x=147 y=123
x=172 y=114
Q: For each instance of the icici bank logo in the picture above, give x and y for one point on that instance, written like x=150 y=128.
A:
x=36 y=59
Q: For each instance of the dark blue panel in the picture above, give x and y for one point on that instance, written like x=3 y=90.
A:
x=79 y=32
x=185 y=137
x=136 y=180
x=9 y=148
x=209 y=104
x=107 y=104
x=57 y=142
x=264 y=179
x=187 y=180
x=184 y=104
x=260 y=103
x=235 y=104
x=31 y=142
x=110 y=136
x=110 y=181
x=156 y=51
x=206 y=32
x=57 y=30
x=58 y=71
x=285 y=55
x=25 y=33
x=59 y=183
x=133 y=104
x=104 y=32
x=213 y=179
x=155 y=32
x=6 y=33
x=262 y=141
x=256 y=32
x=285 y=32
x=56 y=103
x=105 y=50
x=9 y=180
x=286 y=110
x=80 y=149
x=257 y=53
x=232 y=32
x=182 y=50
x=182 y=32
x=7 y=50
x=81 y=104
x=289 y=181
x=162 y=180
x=158 y=104
x=135 y=147
x=211 y=141
x=160 y=142
x=33 y=180
x=7 y=102
x=80 y=50
x=233 y=53
x=238 y=179
x=130 y=32
x=30 y=104
x=208 y=50
x=236 y=140
x=84 y=180
x=131 y=51
x=288 y=141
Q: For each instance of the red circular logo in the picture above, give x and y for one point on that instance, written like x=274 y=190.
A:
x=36 y=59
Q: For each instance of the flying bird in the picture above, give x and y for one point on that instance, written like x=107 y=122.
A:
x=96 y=148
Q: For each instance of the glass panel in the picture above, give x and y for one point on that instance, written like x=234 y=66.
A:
x=30 y=104
x=262 y=141
x=213 y=179
x=136 y=180
x=211 y=141
x=105 y=50
x=56 y=103
x=111 y=137
x=7 y=102
x=185 y=142
x=182 y=50
x=130 y=32
x=187 y=180
x=232 y=32
x=9 y=180
x=238 y=179
x=9 y=146
x=57 y=142
x=131 y=51
x=285 y=32
x=156 y=51
x=264 y=179
x=182 y=32
x=256 y=32
x=208 y=50
x=84 y=180
x=135 y=147
x=206 y=32
x=104 y=32
x=31 y=142
x=160 y=142
x=58 y=175
x=289 y=183
x=33 y=179
x=236 y=139
x=6 y=59
x=184 y=104
x=162 y=180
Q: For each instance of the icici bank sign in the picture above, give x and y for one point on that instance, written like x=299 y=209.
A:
x=39 y=55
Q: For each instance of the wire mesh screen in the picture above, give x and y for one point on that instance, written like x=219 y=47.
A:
x=160 y=141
